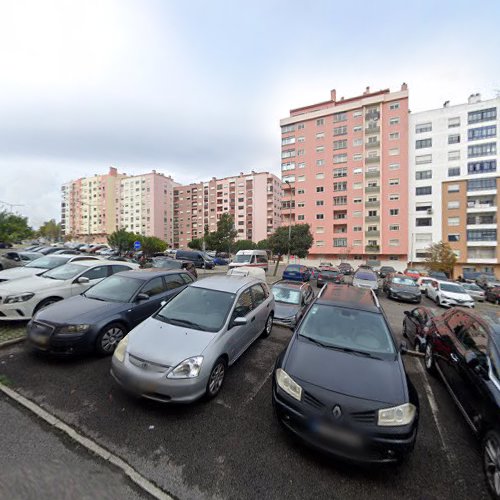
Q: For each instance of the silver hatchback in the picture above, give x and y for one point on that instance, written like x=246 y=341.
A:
x=182 y=352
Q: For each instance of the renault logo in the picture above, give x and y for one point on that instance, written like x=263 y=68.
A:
x=337 y=412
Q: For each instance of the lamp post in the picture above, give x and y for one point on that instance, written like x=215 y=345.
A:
x=289 y=220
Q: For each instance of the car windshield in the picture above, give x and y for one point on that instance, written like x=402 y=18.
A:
x=403 y=281
x=286 y=295
x=450 y=287
x=115 y=289
x=241 y=259
x=412 y=271
x=365 y=275
x=198 y=308
x=167 y=263
x=65 y=272
x=292 y=268
x=329 y=273
x=348 y=329
x=494 y=359
x=470 y=286
x=47 y=262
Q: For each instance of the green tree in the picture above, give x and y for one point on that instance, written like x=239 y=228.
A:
x=299 y=244
x=13 y=227
x=121 y=240
x=441 y=258
x=222 y=240
x=243 y=245
x=151 y=244
x=196 y=244
x=263 y=244
x=51 y=230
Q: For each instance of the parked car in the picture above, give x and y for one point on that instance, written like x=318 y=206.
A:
x=345 y=268
x=341 y=386
x=384 y=271
x=198 y=258
x=438 y=275
x=50 y=250
x=476 y=292
x=331 y=275
x=220 y=261
x=325 y=265
x=465 y=353
x=486 y=281
x=365 y=278
x=417 y=326
x=39 y=266
x=23 y=298
x=291 y=299
x=447 y=294
x=493 y=295
x=401 y=287
x=12 y=259
x=296 y=272
x=182 y=352
x=166 y=263
x=257 y=258
x=314 y=272
x=4 y=244
x=96 y=320
x=423 y=283
x=412 y=273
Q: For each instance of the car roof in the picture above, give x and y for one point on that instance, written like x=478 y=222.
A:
x=289 y=284
x=97 y=262
x=231 y=284
x=349 y=296
x=147 y=274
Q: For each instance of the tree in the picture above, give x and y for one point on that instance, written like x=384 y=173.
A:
x=13 y=227
x=441 y=258
x=151 y=244
x=263 y=244
x=301 y=241
x=121 y=240
x=51 y=230
x=244 y=245
x=222 y=240
x=196 y=244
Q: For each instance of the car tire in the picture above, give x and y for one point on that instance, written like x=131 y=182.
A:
x=216 y=378
x=404 y=333
x=491 y=462
x=438 y=301
x=418 y=346
x=268 y=327
x=429 y=362
x=46 y=303
x=108 y=338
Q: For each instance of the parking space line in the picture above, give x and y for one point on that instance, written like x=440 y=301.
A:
x=257 y=390
x=87 y=443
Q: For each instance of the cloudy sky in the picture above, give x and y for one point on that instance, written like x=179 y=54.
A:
x=196 y=89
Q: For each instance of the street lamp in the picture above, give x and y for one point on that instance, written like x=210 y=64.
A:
x=289 y=220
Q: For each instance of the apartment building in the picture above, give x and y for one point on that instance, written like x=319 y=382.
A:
x=454 y=182
x=345 y=172
x=253 y=200
x=94 y=207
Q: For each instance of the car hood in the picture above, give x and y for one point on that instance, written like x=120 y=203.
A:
x=365 y=283
x=165 y=344
x=282 y=310
x=344 y=373
x=30 y=284
x=20 y=272
x=80 y=310
x=405 y=288
x=456 y=296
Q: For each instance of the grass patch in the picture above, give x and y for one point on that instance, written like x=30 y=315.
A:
x=4 y=380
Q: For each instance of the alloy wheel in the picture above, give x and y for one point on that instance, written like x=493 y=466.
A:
x=428 y=357
x=110 y=338
x=269 y=325
x=216 y=378
x=491 y=456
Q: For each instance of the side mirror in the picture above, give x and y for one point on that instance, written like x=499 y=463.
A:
x=403 y=347
x=239 y=321
x=142 y=296
x=471 y=359
x=82 y=280
x=407 y=313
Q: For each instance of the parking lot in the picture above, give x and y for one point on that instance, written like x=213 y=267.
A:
x=232 y=447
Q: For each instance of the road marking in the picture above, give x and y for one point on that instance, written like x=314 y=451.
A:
x=259 y=387
x=89 y=444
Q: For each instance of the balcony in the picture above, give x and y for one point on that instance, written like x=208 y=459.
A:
x=372 y=189
x=474 y=260
x=372 y=159
x=372 y=174
x=372 y=204
x=372 y=248
x=372 y=130
x=482 y=243
x=372 y=233
x=372 y=218
x=373 y=144
x=473 y=208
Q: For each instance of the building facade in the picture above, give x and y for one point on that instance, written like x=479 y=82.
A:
x=345 y=172
x=454 y=182
x=253 y=200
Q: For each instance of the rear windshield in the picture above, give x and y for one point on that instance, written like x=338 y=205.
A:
x=286 y=295
x=365 y=275
x=329 y=273
x=403 y=281
x=167 y=263
x=292 y=268
x=48 y=262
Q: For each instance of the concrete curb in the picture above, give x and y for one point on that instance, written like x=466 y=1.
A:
x=89 y=444
x=8 y=343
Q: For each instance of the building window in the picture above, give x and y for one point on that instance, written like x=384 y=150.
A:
x=300 y=217
x=393 y=182
x=357 y=229
x=481 y=184
x=453 y=221
x=454 y=139
x=320 y=121
x=357 y=185
x=340 y=117
x=424 y=174
x=357 y=171
x=340 y=200
x=289 y=178
x=420 y=191
x=357 y=214
x=357 y=157
x=340 y=242
x=288 y=153
x=301 y=165
x=320 y=149
x=301 y=191
x=483 y=115
x=482 y=235
x=394 y=121
x=319 y=189
x=393 y=243
x=357 y=128
x=475 y=134
x=423 y=221
x=454 y=122
x=340 y=186
x=453 y=237
x=394 y=135
x=423 y=143
x=423 y=127
x=300 y=126
x=357 y=200
x=288 y=166
x=320 y=135
x=394 y=197
x=394 y=211
x=320 y=176
x=453 y=188
x=393 y=166
x=394 y=227
x=319 y=203
x=340 y=130
x=320 y=163
x=301 y=152
x=301 y=204
x=357 y=113
x=340 y=172
x=301 y=178
x=340 y=144
x=320 y=216
x=453 y=155
x=394 y=105
x=393 y=152
x=342 y=158
x=481 y=167
x=453 y=205
x=453 y=171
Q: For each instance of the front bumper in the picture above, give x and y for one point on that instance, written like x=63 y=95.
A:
x=378 y=445
x=19 y=311
x=400 y=295
x=286 y=322
x=155 y=385
x=448 y=302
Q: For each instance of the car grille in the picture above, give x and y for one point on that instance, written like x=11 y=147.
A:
x=144 y=364
x=312 y=401
x=364 y=417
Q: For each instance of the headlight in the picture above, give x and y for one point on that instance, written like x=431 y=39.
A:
x=288 y=384
x=74 y=328
x=22 y=297
x=399 y=415
x=189 y=368
x=121 y=348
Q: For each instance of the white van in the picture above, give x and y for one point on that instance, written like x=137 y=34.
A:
x=252 y=258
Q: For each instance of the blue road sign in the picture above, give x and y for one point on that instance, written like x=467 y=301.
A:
x=137 y=245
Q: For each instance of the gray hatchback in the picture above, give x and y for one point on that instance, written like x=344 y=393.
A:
x=182 y=352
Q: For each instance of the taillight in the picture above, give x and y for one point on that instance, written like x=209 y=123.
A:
x=320 y=276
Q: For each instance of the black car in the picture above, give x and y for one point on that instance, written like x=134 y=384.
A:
x=417 y=326
x=345 y=268
x=166 y=263
x=99 y=318
x=384 y=271
x=341 y=386
x=399 y=286
x=291 y=298
x=198 y=258
x=465 y=352
x=329 y=276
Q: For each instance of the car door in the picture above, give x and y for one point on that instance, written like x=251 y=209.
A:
x=241 y=336
x=94 y=275
x=155 y=289
x=412 y=322
x=261 y=308
x=432 y=290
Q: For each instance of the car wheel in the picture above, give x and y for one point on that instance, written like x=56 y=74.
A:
x=419 y=347
x=429 y=359
x=45 y=303
x=405 y=333
x=269 y=326
x=438 y=301
x=491 y=462
x=109 y=337
x=216 y=378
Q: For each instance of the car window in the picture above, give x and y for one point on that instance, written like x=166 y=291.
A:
x=187 y=278
x=258 y=295
x=457 y=322
x=474 y=338
x=118 y=269
x=244 y=304
x=96 y=273
x=173 y=281
x=261 y=259
x=116 y=288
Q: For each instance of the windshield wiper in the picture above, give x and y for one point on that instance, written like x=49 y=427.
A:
x=338 y=348
x=183 y=322
x=314 y=340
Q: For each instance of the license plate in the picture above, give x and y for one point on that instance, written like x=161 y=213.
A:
x=42 y=340
x=341 y=436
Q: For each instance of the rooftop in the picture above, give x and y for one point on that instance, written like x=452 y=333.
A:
x=231 y=284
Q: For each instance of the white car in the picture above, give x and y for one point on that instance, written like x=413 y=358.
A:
x=21 y=299
x=448 y=294
x=424 y=283
x=41 y=265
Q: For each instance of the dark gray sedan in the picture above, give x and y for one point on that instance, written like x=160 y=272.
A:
x=291 y=299
x=400 y=287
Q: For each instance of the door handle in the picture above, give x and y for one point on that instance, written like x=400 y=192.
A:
x=454 y=357
x=253 y=319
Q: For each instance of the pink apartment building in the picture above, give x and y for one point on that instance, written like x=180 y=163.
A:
x=254 y=201
x=345 y=172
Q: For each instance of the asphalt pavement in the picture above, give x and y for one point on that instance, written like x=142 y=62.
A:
x=232 y=447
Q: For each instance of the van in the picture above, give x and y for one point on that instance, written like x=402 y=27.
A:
x=198 y=258
x=252 y=258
